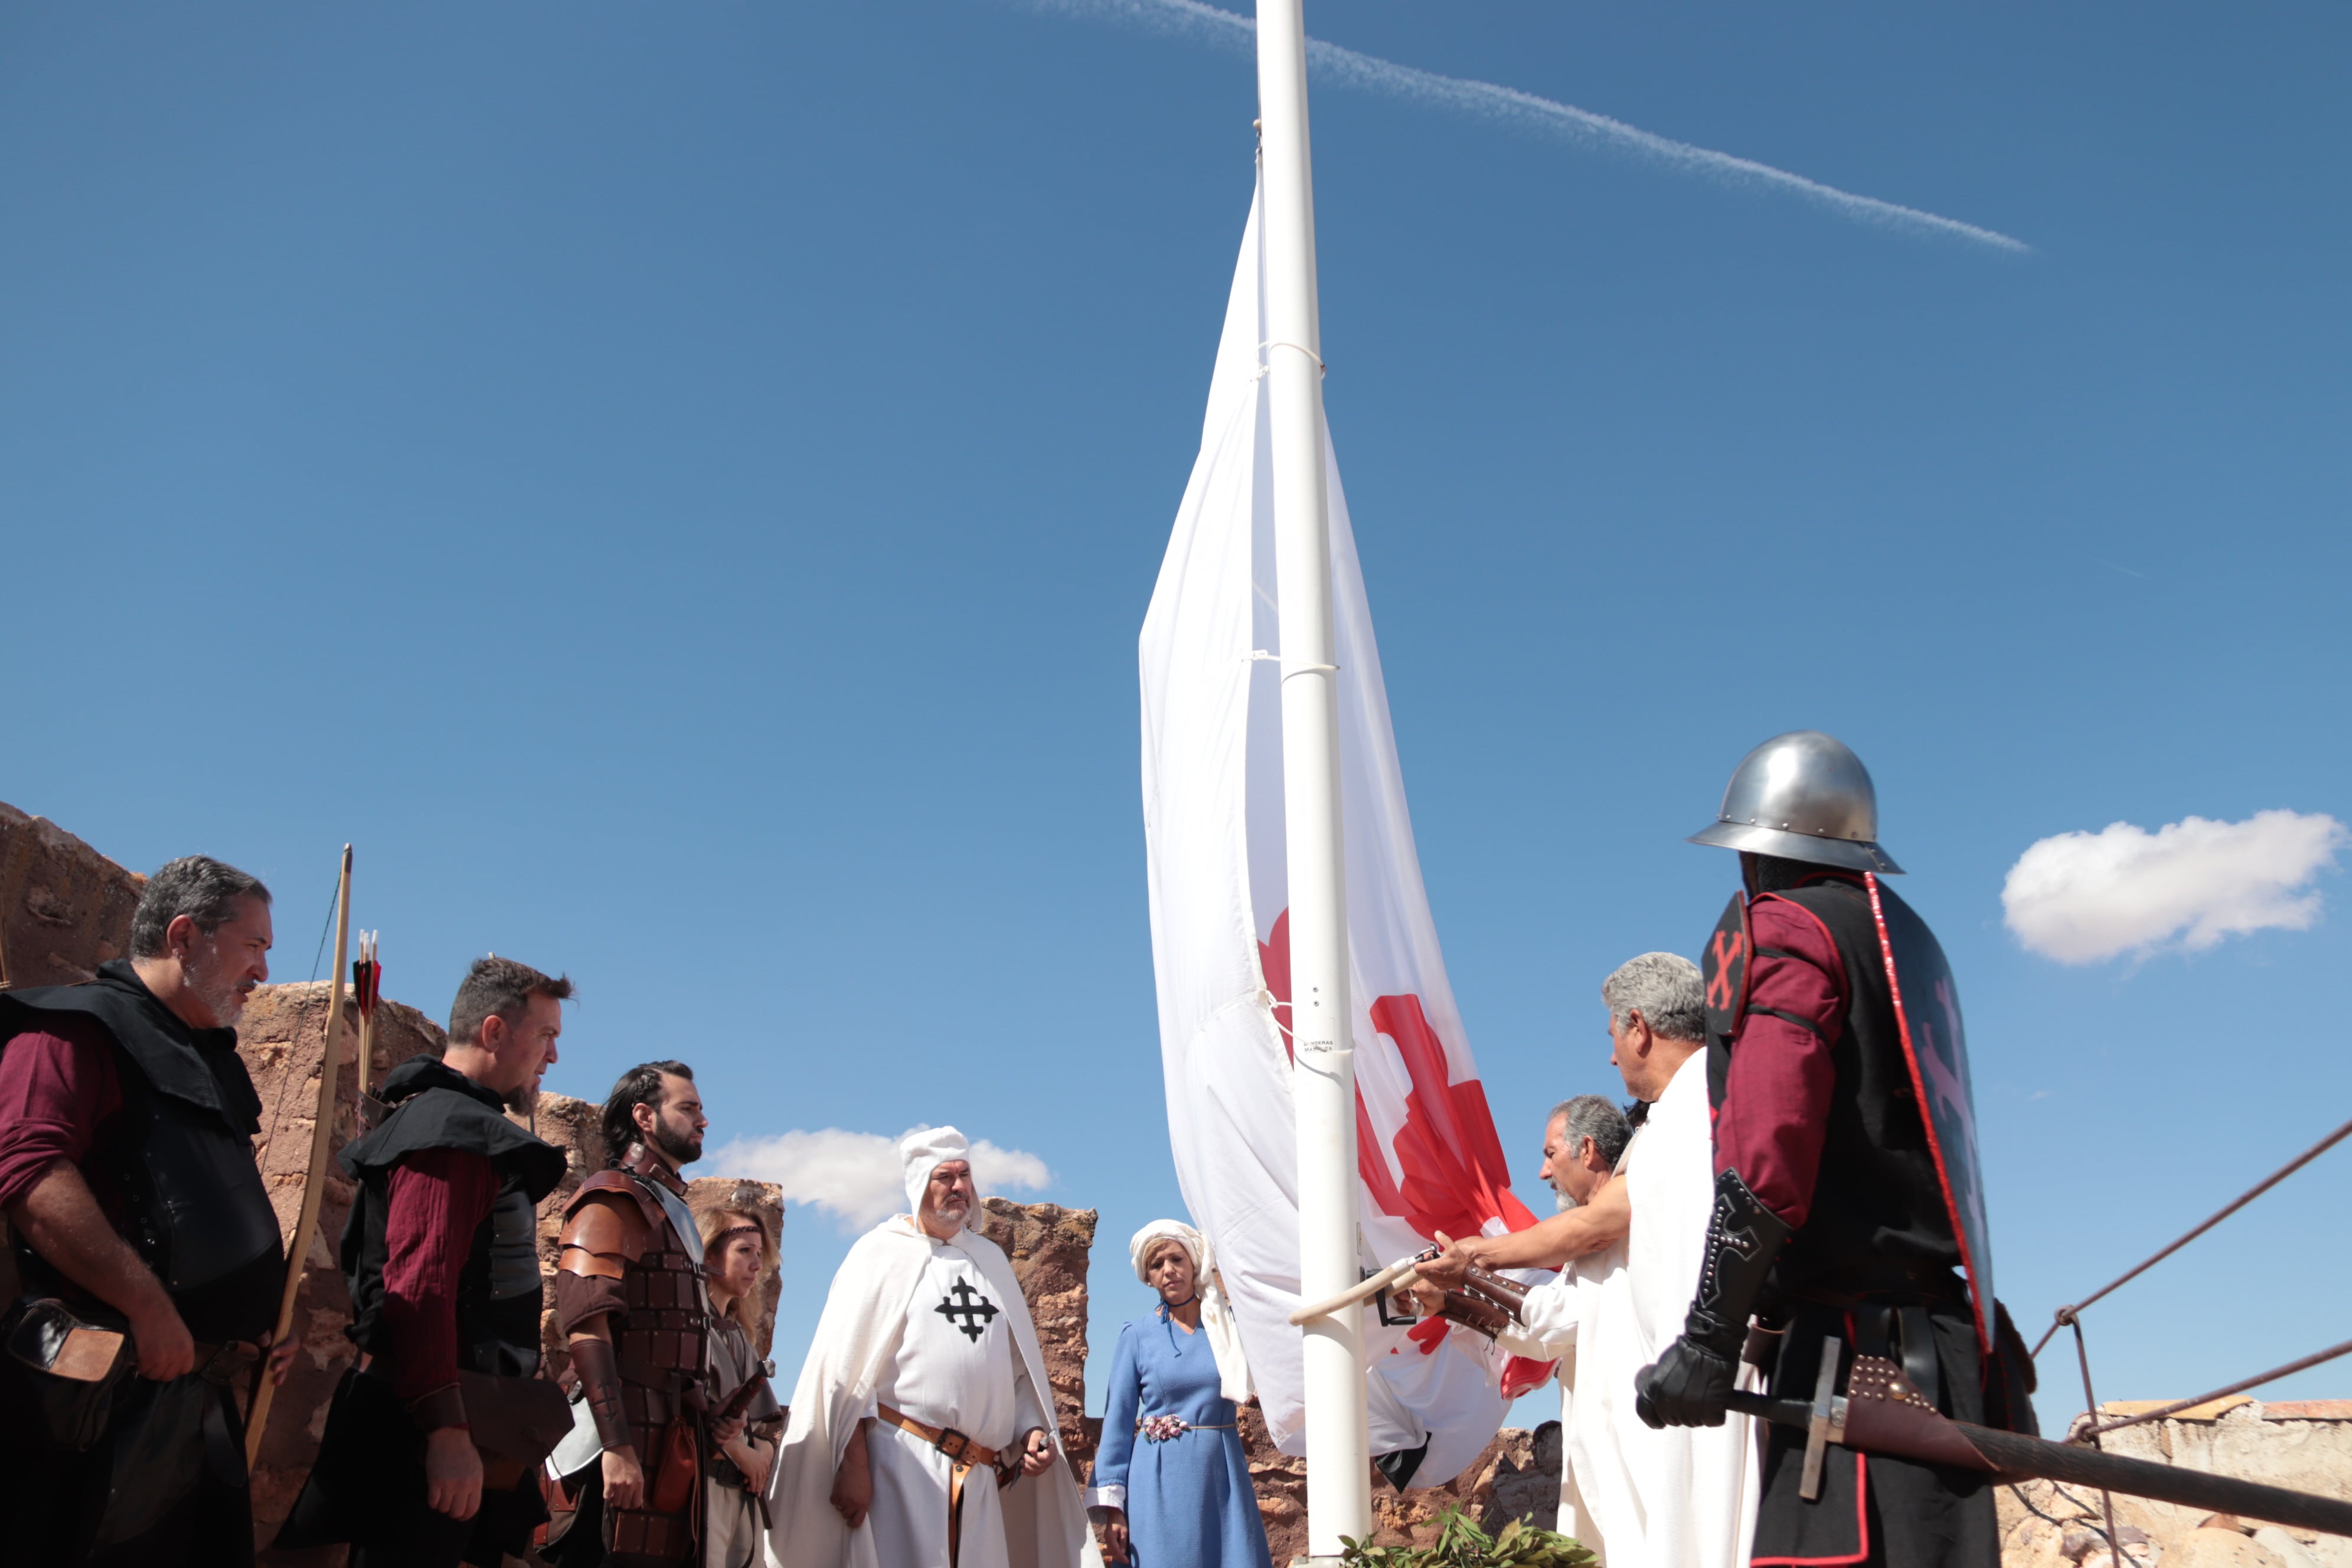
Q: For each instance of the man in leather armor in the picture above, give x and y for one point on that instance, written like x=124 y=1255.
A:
x=1835 y=1216
x=422 y=1465
x=148 y=1255
x=631 y=1305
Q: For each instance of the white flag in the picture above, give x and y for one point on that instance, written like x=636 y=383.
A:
x=1427 y=1153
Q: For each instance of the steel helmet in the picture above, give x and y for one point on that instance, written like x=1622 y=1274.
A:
x=1804 y=797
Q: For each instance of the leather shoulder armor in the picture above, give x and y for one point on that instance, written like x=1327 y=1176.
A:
x=613 y=1185
x=601 y=1234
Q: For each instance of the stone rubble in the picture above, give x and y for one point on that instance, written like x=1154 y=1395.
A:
x=2303 y=1444
x=1517 y=1477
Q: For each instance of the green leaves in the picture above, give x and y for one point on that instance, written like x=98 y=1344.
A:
x=1460 y=1544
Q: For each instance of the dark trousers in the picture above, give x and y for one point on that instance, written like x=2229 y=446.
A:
x=368 y=1488
x=153 y=1493
x=417 y=1537
x=1873 y=1510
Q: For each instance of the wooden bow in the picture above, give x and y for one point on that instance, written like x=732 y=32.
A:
x=314 y=1184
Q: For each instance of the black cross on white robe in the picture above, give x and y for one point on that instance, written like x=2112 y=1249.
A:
x=955 y=1366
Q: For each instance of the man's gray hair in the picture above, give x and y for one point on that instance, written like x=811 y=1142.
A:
x=1667 y=989
x=197 y=886
x=1591 y=1116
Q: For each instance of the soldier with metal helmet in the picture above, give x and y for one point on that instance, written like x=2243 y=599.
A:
x=1847 y=1201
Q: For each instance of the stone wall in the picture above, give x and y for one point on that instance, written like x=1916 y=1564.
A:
x=1049 y=1245
x=65 y=909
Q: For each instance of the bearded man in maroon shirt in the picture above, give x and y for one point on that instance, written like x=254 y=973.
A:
x=429 y=1457
x=147 y=1253
x=1847 y=1196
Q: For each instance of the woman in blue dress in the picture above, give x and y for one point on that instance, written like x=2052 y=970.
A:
x=1172 y=1486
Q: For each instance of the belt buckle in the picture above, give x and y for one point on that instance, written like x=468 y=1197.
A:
x=952 y=1443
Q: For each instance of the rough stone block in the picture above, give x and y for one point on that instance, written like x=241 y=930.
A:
x=1049 y=1246
x=65 y=909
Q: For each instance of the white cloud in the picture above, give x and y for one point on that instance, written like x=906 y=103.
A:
x=856 y=1177
x=2081 y=897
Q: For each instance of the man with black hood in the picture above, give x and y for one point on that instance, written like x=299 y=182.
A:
x=147 y=1252
x=433 y=1442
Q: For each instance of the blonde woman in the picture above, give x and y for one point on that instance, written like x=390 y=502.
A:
x=1172 y=1486
x=737 y=1260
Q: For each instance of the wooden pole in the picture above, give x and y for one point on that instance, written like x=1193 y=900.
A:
x=1355 y=1293
x=314 y=1184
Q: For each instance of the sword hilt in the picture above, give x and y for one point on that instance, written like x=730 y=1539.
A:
x=1824 y=1420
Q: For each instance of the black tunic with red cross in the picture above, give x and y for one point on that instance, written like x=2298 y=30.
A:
x=1816 y=1109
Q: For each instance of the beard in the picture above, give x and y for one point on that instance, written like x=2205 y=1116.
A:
x=524 y=1100
x=683 y=1147
x=949 y=1220
x=1564 y=1198
x=222 y=997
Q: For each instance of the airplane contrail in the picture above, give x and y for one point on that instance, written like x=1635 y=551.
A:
x=1509 y=106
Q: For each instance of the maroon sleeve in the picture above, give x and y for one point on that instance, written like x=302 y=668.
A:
x=439 y=1197
x=1776 y=1099
x=55 y=1090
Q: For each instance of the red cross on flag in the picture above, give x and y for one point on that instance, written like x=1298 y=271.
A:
x=1426 y=1150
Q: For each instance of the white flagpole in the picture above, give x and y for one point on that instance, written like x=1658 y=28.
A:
x=1339 y=1458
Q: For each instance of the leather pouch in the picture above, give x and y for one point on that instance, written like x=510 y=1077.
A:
x=671 y=1487
x=65 y=1371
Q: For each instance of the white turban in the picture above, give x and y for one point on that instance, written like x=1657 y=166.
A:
x=925 y=1150
x=1216 y=1316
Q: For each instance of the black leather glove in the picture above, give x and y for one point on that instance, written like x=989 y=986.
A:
x=1685 y=1387
x=1689 y=1384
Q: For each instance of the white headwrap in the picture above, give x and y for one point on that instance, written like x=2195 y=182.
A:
x=1216 y=1316
x=925 y=1150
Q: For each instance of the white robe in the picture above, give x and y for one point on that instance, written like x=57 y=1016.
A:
x=1685 y=1497
x=883 y=1341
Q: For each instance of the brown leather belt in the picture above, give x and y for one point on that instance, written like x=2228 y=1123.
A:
x=963 y=1455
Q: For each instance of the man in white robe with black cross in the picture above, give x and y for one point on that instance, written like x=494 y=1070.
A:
x=923 y=1431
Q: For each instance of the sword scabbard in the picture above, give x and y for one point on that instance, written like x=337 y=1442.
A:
x=1882 y=1415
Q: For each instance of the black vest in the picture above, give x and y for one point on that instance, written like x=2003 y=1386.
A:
x=433 y=1107
x=175 y=1172
x=1877 y=1196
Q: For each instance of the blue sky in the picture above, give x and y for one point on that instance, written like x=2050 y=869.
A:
x=678 y=487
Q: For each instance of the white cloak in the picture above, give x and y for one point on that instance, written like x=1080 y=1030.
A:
x=1685 y=1497
x=1045 y=1521
x=1573 y=1317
